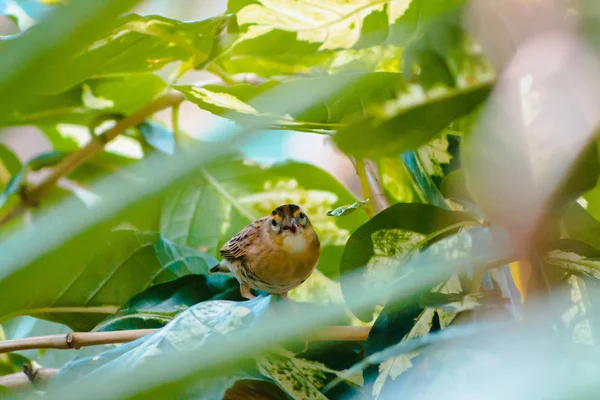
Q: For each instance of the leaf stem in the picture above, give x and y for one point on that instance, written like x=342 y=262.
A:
x=364 y=185
x=175 y=119
x=75 y=159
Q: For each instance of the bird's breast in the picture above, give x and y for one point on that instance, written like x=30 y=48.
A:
x=295 y=243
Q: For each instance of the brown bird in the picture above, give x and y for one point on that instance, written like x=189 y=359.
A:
x=275 y=253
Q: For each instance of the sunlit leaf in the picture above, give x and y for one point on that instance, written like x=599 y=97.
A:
x=333 y=23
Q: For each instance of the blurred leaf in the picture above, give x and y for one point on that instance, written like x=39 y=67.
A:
x=9 y=160
x=580 y=225
x=454 y=186
x=346 y=210
x=404 y=123
x=83 y=103
x=127 y=263
x=71 y=29
x=376 y=249
x=209 y=209
x=574 y=263
x=197 y=327
x=121 y=94
x=35 y=164
x=242 y=103
x=26 y=12
x=155 y=306
x=136 y=44
x=66 y=107
x=158 y=136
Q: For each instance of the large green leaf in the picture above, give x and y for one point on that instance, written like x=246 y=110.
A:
x=127 y=263
x=136 y=44
x=376 y=250
x=159 y=304
x=209 y=209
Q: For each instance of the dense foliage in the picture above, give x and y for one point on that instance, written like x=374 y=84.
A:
x=472 y=252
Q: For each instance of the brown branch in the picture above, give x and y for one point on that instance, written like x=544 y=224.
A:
x=76 y=340
x=33 y=195
x=22 y=381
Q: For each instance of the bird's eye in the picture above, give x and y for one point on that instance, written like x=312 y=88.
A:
x=302 y=216
x=274 y=223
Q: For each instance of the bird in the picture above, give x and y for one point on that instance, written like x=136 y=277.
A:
x=275 y=253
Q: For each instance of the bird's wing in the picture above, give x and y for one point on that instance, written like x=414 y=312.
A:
x=235 y=248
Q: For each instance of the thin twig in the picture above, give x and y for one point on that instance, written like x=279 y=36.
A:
x=34 y=194
x=76 y=340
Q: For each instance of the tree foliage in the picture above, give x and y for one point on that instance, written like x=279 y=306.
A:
x=470 y=206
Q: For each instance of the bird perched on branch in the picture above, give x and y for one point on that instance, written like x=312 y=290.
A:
x=275 y=253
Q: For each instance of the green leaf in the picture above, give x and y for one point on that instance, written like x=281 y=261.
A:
x=242 y=103
x=397 y=181
x=347 y=210
x=404 y=123
x=331 y=23
x=9 y=161
x=136 y=44
x=124 y=95
x=158 y=136
x=210 y=208
x=426 y=188
x=156 y=306
x=376 y=250
x=454 y=186
x=20 y=178
x=71 y=29
x=579 y=224
x=97 y=284
x=574 y=263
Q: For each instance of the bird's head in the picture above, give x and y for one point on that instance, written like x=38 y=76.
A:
x=289 y=220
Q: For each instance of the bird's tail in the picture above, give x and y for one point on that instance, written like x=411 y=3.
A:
x=221 y=267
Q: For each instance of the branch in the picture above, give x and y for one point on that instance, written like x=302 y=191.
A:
x=23 y=381
x=32 y=196
x=77 y=340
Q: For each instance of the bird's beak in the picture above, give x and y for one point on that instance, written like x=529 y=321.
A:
x=291 y=225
